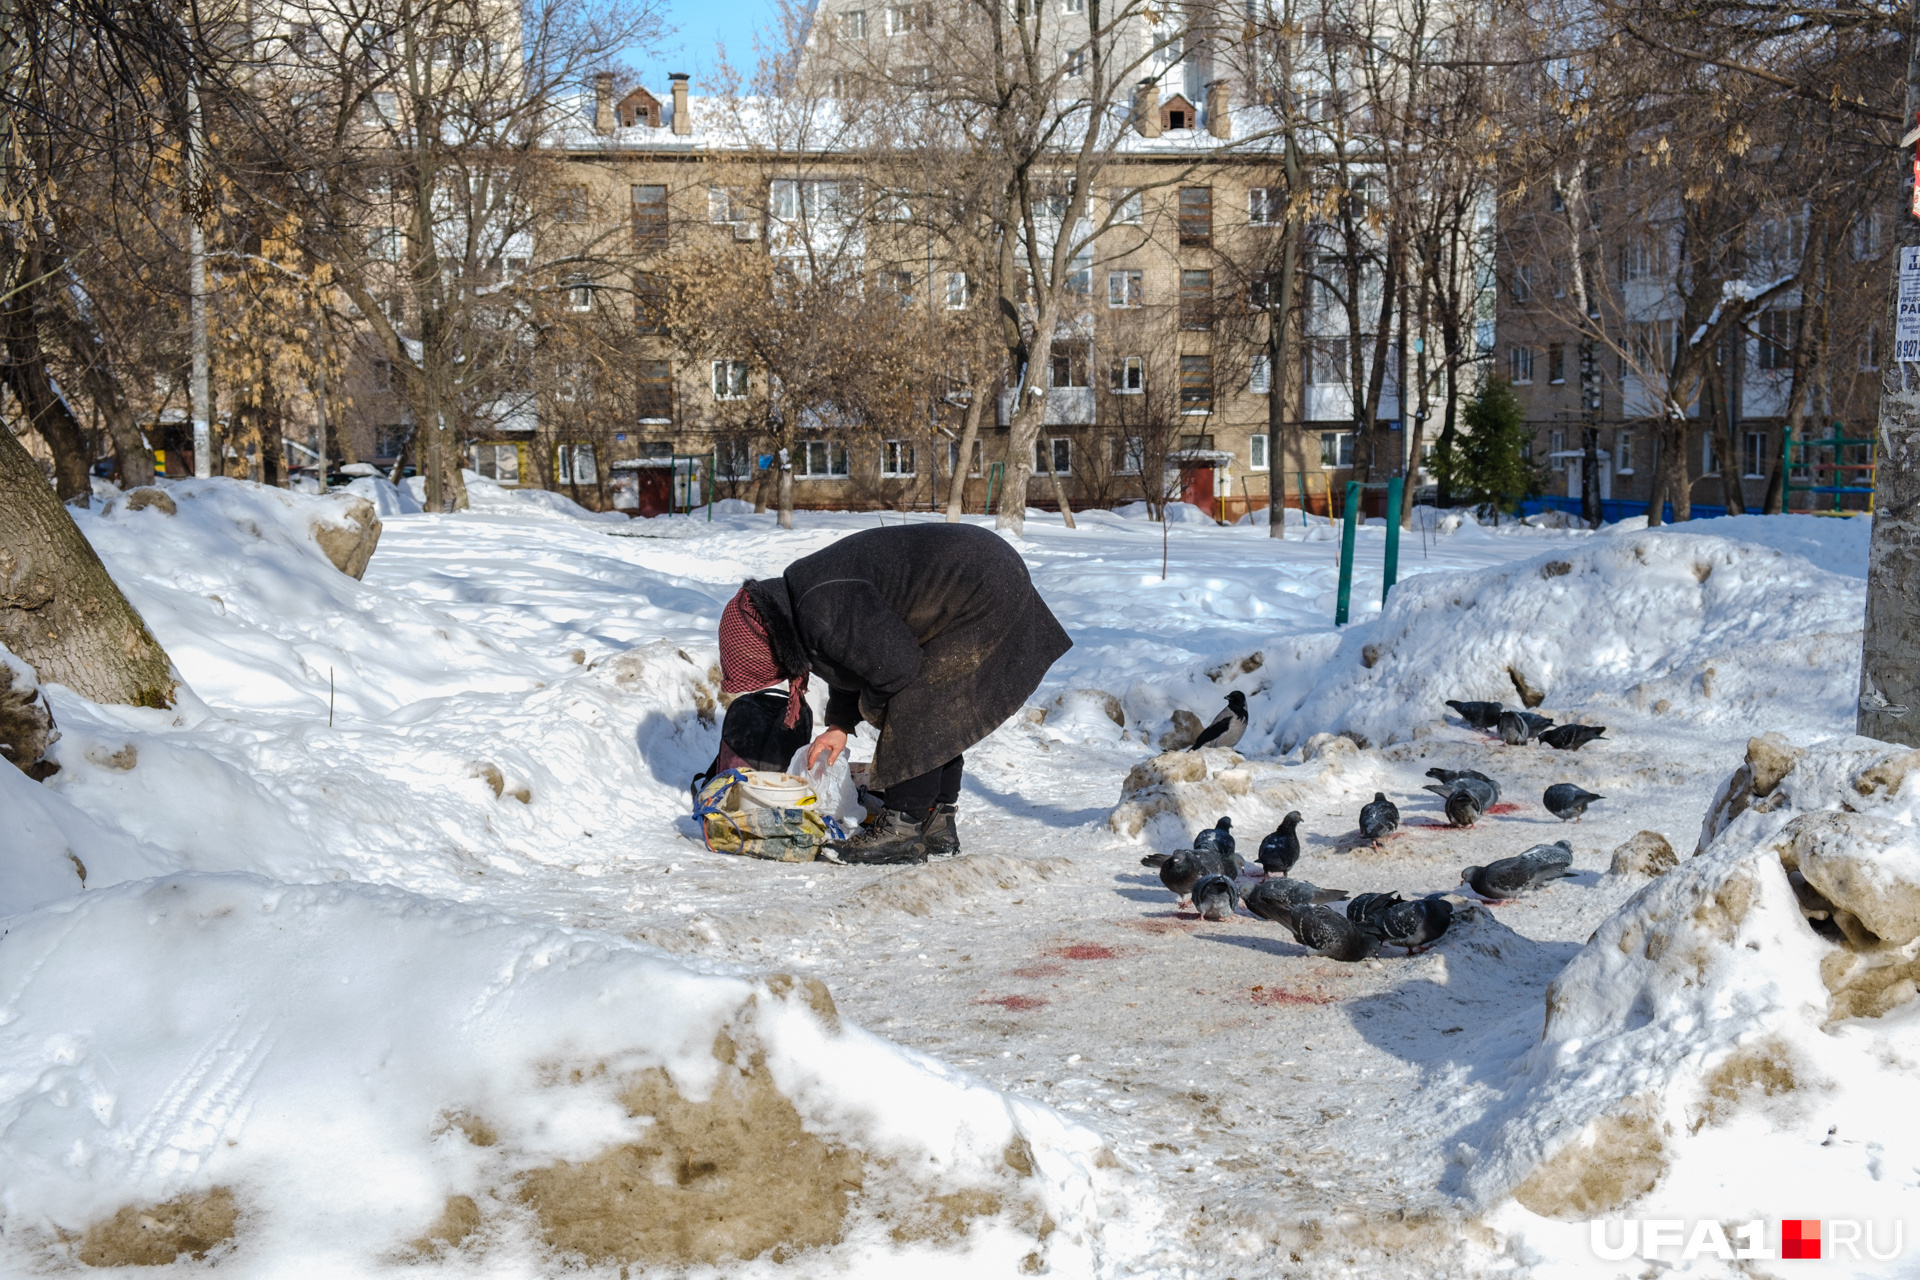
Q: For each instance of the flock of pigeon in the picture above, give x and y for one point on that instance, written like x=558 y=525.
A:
x=1209 y=873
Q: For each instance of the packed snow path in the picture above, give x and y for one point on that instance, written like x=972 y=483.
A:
x=1282 y=1113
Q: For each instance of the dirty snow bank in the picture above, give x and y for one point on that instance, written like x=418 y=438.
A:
x=337 y=1078
x=1714 y=633
x=1732 y=1042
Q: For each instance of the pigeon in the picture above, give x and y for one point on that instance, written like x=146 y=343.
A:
x=1511 y=877
x=1227 y=727
x=1325 y=930
x=1180 y=872
x=1370 y=905
x=1464 y=808
x=1214 y=897
x=1517 y=727
x=1480 y=715
x=1450 y=776
x=1572 y=737
x=1413 y=925
x=1564 y=800
x=1279 y=851
x=1477 y=796
x=1277 y=900
x=1379 y=819
x=1217 y=836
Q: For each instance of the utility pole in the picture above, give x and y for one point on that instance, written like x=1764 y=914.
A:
x=198 y=203
x=1890 y=639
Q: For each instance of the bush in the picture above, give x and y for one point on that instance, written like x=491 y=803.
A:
x=1485 y=465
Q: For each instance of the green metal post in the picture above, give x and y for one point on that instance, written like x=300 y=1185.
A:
x=1345 y=598
x=1392 y=568
x=993 y=481
x=1303 y=502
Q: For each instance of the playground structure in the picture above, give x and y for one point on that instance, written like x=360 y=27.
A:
x=1847 y=460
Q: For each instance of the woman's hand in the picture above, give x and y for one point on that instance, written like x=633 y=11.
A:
x=833 y=742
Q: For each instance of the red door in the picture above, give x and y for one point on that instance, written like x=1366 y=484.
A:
x=1196 y=487
x=656 y=490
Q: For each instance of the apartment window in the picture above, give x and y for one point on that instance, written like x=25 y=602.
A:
x=1266 y=206
x=1336 y=449
x=1522 y=282
x=1073 y=6
x=974 y=467
x=1867 y=237
x=580 y=297
x=1642 y=257
x=1753 y=456
x=570 y=204
x=1196 y=217
x=1557 y=364
x=821 y=460
x=573 y=463
x=1260 y=375
x=899 y=20
x=1128 y=375
x=726 y=205
x=729 y=379
x=1869 y=359
x=1068 y=367
x=893 y=206
x=1257 y=452
x=1196 y=299
x=1558 y=277
x=1080 y=272
x=1327 y=362
x=1129 y=208
x=1077 y=62
x=1623 y=453
x=500 y=462
x=1059 y=450
x=1129 y=455
x=1520 y=365
x=649 y=303
x=649 y=216
x=1556 y=442
x=1123 y=289
x=957 y=295
x=1709 y=456
x=1196 y=384
x=1779 y=331
x=901 y=283
x=853 y=26
x=1263 y=291
x=655 y=383
x=733 y=460
x=896 y=458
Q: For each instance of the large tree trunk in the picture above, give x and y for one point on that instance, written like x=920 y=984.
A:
x=1656 y=499
x=1679 y=478
x=47 y=411
x=59 y=611
x=1279 y=367
x=969 y=433
x=88 y=346
x=785 y=462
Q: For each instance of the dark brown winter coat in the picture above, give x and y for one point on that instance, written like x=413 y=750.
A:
x=931 y=631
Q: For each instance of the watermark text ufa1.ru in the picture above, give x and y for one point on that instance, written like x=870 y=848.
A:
x=1860 y=1240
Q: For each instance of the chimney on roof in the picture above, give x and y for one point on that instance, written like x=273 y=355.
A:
x=1146 y=108
x=1219 y=109
x=603 y=102
x=682 y=118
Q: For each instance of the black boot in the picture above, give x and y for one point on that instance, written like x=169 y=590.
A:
x=942 y=832
x=890 y=839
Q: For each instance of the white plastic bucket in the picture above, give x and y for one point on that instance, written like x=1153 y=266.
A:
x=775 y=791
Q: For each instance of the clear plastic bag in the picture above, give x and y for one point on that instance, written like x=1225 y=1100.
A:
x=833 y=785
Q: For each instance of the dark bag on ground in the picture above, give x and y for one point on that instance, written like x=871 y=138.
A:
x=752 y=736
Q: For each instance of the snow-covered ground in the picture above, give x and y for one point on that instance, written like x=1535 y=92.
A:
x=410 y=864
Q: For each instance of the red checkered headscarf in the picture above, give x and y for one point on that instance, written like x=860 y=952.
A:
x=747 y=663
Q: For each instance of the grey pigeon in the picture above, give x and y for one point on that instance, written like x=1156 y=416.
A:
x=1369 y=905
x=1325 y=930
x=1278 y=899
x=1564 y=800
x=1447 y=777
x=1464 y=808
x=1217 y=836
x=1214 y=897
x=1511 y=877
x=1412 y=925
x=1517 y=727
x=1180 y=872
x=1481 y=715
x=1227 y=727
x=1379 y=818
x=1279 y=851
x=1572 y=737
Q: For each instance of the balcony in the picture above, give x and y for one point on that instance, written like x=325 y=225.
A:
x=1066 y=407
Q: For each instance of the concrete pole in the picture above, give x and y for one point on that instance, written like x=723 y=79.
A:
x=197 y=285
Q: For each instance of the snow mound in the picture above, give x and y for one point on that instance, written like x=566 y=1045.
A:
x=1728 y=1041
x=1177 y=513
x=1838 y=545
x=388 y=1079
x=1708 y=630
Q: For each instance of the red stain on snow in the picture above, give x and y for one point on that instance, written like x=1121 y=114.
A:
x=1016 y=1004
x=1277 y=995
x=1505 y=808
x=1085 y=951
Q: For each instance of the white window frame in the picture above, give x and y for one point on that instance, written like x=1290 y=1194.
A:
x=830 y=452
x=1623 y=453
x=1260 y=376
x=1263 y=210
x=891 y=453
x=730 y=380
x=1073 y=6
x=1523 y=282
x=1709 y=456
x=1054 y=445
x=567 y=457
x=1129 y=208
x=1556 y=441
x=1129 y=287
x=899 y=19
x=1127 y=370
x=1257 y=451
x=853 y=25
x=734 y=452
x=1758 y=456
x=958 y=292
x=1336 y=450
x=580 y=297
x=1520 y=366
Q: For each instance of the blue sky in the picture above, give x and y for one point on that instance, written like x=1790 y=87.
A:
x=701 y=26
